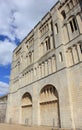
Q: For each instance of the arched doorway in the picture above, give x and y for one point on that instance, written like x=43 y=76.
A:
x=26 y=109
x=49 y=106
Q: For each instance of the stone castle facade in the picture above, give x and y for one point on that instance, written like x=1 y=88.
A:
x=46 y=74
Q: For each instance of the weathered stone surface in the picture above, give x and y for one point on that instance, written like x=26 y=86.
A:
x=46 y=75
x=3 y=106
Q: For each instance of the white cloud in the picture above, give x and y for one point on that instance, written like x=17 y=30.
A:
x=17 y=19
x=20 y=17
x=4 y=88
x=6 y=49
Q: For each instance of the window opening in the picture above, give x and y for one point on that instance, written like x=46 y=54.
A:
x=63 y=14
x=56 y=28
x=71 y=25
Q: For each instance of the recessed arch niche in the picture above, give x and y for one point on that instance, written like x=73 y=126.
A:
x=49 y=106
x=26 y=105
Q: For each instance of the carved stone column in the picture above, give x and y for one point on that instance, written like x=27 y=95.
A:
x=43 y=69
x=79 y=52
x=70 y=57
x=49 y=65
x=53 y=64
x=46 y=68
x=75 y=54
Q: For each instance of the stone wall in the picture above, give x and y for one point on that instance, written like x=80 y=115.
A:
x=3 y=107
x=47 y=68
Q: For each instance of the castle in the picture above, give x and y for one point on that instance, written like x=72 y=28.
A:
x=46 y=73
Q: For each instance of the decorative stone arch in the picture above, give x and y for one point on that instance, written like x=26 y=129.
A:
x=72 y=16
x=49 y=106
x=73 y=23
x=26 y=106
x=79 y=20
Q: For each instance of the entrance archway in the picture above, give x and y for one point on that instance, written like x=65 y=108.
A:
x=26 y=106
x=49 y=106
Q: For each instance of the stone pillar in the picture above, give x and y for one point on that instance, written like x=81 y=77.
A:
x=65 y=33
x=39 y=72
x=35 y=74
x=49 y=27
x=36 y=113
x=78 y=17
x=28 y=78
x=32 y=56
x=42 y=49
x=25 y=79
x=20 y=114
x=46 y=68
x=22 y=83
x=35 y=107
x=79 y=52
x=28 y=60
x=53 y=64
x=32 y=75
x=50 y=66
x=70 y=57
x=75 y=54
x=43 y=69
x=25 y=61
x=51 y=42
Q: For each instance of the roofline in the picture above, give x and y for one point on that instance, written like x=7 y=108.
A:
x=37 y=24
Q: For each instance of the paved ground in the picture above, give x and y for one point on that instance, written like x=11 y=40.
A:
x=20 y=127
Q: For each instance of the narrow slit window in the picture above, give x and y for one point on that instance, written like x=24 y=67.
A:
x=71 y=25
x=60 y=57
x=56 y=28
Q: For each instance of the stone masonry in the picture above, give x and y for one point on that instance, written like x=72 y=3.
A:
x=46 y=74
x=3 y=107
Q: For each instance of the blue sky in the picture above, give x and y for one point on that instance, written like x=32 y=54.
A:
x=16 y=21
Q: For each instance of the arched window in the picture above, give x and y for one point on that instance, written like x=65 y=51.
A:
x=73 y=24
x=26 y=99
